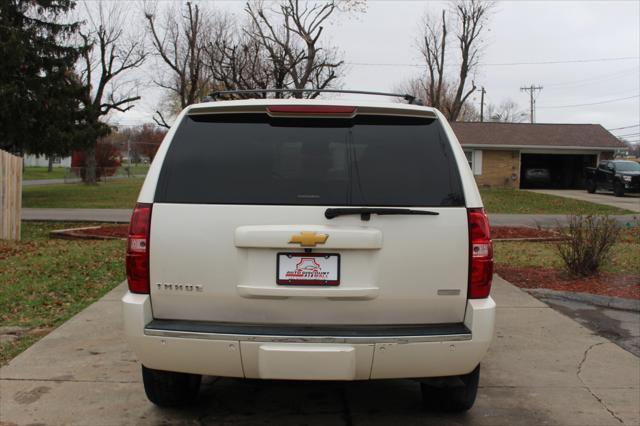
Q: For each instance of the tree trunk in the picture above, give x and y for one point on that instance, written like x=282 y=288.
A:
x=50 y=166
x=90 y=176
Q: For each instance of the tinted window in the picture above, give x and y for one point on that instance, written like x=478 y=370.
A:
x=627 y=166
x=256 y=159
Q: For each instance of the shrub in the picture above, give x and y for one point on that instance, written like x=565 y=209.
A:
x=586 y=244
x=107 y=160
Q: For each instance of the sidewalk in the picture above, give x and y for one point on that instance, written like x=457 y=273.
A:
x=542 y=368
x=629 y=201
x=123 y=215
x=36 y=182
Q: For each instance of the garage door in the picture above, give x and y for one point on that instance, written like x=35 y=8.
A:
x=557 y=171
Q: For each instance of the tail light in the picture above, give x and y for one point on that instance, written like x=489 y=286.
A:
x=480 y=255
x=138 y=249
x=331 y=110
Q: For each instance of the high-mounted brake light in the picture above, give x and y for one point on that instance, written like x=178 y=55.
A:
x=480 y=255
x=311 y=109
x=138 y=249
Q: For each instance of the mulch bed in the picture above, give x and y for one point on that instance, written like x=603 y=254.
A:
x=522 y=233
x=604 y=284
x=106 y=232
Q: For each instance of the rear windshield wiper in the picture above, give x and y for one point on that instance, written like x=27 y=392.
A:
x=366 y=212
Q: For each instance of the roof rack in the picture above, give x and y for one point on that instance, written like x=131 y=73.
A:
x=215 y=95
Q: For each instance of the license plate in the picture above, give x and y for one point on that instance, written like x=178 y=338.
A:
x=308 y=268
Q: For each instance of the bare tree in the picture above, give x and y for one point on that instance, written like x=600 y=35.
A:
x=277 y=47
x=419 y=88
x=433 y=50
x=470 y=18
x=290 y=35
x=108 y=54
x=507 y=112
x=179 y=41
x=236 y=60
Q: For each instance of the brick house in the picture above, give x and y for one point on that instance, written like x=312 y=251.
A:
x=505 y=154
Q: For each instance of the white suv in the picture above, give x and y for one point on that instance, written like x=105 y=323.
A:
x=310 y=240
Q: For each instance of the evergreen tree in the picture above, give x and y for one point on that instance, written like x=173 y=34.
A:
x=40 y=110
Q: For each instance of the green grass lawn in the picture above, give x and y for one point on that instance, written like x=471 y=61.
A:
x=524 y=202
x=33 y=173
x=120 y=193
x=624 y=258
x=44 y=282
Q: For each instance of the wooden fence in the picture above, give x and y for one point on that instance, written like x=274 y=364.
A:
x=10 y=196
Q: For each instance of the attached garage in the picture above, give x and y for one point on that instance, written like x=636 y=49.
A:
x=523 y=155
x=557 y=171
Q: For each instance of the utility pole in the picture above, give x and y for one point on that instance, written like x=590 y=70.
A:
x=482 y=92
x=532 y=99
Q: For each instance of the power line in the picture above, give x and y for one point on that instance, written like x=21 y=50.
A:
x=596 y=79
x=501 y=64
x=627 y=135
x=573 y=61
x=625 y=127
x=592 y=103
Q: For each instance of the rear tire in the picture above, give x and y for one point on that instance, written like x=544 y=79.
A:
x=451 y=394
x=618 y=189
x=591 y=187
x=170 y=389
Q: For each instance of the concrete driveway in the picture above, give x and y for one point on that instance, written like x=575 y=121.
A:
x=629 y=201
x=543 y=368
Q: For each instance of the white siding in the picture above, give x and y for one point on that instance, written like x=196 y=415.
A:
x=32 y=160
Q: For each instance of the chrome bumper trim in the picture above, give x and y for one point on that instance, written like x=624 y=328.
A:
x=308 y=339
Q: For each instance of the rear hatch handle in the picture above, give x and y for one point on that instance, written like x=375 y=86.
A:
x=366 y=212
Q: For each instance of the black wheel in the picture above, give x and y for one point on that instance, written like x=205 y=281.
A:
x=452 y=394
x=591 y=186
x=618 y=189
x=170 y=389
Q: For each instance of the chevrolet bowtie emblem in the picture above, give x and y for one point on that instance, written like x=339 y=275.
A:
x=308 y=239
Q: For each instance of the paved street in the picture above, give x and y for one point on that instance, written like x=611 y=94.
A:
x=629 y=201
x=547 y=220
x=543 y=368
x=38 y=182
x=123 y=215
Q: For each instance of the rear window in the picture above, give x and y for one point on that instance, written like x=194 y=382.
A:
x=257 y=159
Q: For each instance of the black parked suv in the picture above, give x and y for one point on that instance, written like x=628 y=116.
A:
x=619 y=176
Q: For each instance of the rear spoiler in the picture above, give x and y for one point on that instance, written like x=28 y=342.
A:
x=309 y=110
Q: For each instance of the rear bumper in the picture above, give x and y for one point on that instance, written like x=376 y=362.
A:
x=302 y=353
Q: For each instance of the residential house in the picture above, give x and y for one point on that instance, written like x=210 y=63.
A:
x=509 y=154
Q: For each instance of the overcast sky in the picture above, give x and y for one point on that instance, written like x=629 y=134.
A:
x=385 y=38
